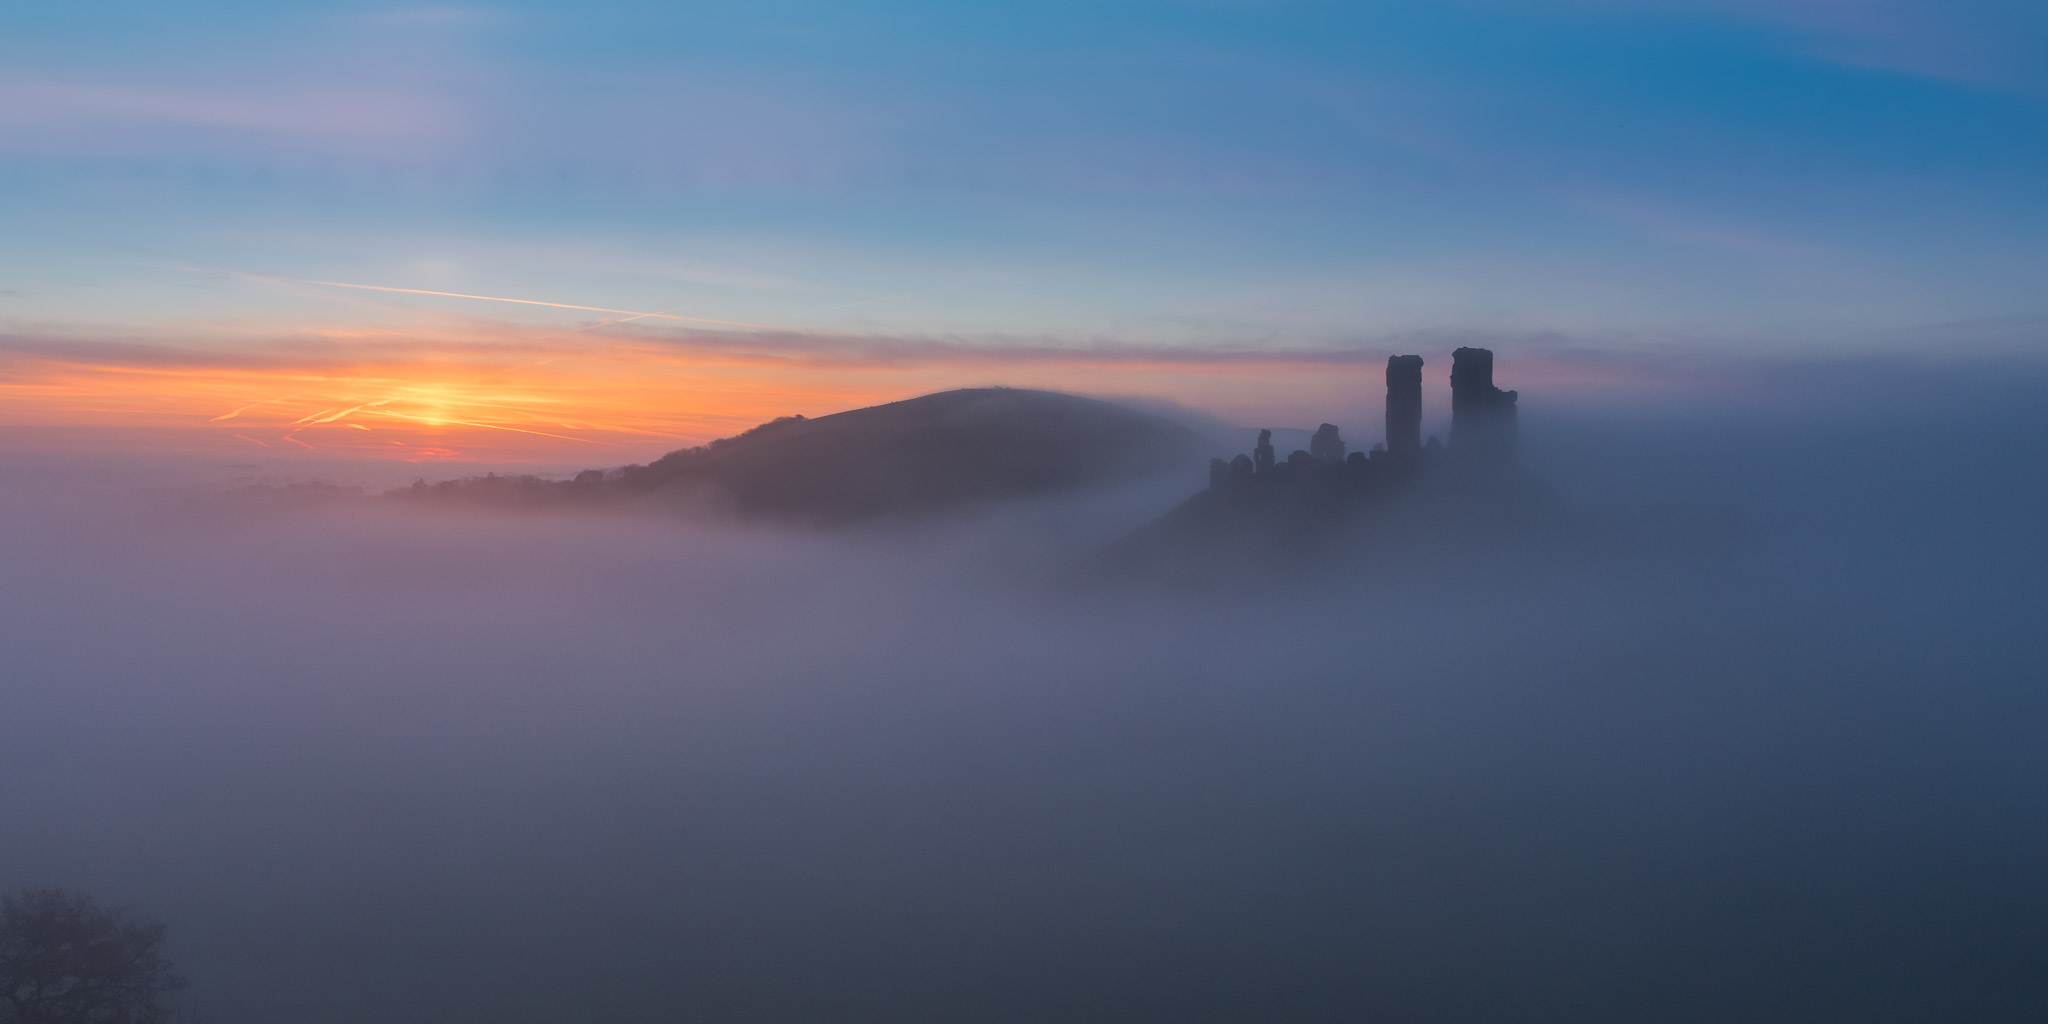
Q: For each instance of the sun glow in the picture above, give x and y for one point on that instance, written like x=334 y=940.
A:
x=446 y=401
x=600 y=394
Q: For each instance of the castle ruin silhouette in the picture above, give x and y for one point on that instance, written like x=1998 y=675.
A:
x=1483 y=433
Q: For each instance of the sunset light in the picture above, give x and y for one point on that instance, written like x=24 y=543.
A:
x=603 y=392
x=1029 y=512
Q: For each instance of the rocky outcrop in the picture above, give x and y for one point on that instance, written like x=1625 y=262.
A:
x=1262 y=454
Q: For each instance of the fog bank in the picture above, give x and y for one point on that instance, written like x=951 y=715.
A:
x=374 y=763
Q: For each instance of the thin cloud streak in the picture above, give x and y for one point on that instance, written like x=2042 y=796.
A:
x=336 y=114
x=316 y=352
x=630 y=314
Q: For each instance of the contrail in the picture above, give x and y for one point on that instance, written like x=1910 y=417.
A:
x=488 y=426
x=634 y=313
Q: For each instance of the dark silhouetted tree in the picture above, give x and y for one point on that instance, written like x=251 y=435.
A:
x=64 y=959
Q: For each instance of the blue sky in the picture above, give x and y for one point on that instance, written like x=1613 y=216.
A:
x=1806 y=174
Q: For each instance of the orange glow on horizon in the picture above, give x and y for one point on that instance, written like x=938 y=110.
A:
x=520 y=397
x=597 y=409
x=509 y=395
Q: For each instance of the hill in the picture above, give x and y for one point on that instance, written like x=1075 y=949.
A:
x=915 y=457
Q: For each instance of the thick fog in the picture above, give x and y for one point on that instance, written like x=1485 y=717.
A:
x=386 y=764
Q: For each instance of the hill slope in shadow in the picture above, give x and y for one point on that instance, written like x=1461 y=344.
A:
x=911 y=458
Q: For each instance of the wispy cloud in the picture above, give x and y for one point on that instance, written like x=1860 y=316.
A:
x=40 y=111
x=1913 y=36
x=1673 y=223
x=430 y=16
x=1981 y=42
x=626 y=315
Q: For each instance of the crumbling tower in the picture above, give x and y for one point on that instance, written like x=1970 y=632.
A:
x=1327 y=445
x=1404 y=406
x=1482 y=416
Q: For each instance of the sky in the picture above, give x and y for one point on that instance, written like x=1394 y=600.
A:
x=293 y=230
x=1734 y=713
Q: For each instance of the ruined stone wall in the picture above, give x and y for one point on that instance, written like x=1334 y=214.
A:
x=1483 y=434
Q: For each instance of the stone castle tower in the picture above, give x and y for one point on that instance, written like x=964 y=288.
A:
x=1404 y=406
x=1482 y=416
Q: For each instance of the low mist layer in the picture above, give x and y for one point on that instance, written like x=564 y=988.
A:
x=383 y=763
